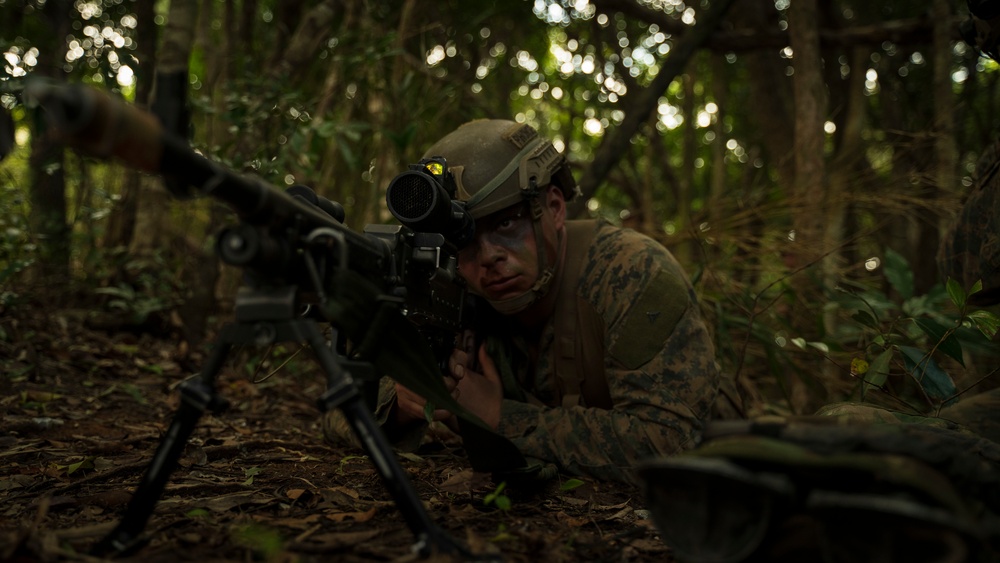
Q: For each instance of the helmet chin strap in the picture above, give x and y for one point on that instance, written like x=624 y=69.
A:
x=546 y=269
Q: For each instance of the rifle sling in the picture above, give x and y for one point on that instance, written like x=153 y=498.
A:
x=579 y=354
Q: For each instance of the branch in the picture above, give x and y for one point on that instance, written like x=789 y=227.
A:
x=644 y=102
x=312 y=33
x=902 y=32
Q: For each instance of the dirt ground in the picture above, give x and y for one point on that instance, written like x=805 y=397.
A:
x=83 y=411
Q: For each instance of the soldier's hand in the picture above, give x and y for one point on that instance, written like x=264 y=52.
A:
x=410 y=406
x=481 y=393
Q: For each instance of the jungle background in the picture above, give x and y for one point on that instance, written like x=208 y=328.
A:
x=802 y=159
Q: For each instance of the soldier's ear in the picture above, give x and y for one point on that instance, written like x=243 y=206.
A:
x=556 y=204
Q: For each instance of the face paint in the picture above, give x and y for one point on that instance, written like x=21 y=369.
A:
x=502 y=261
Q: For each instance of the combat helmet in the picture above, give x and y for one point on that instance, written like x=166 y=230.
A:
x=833 y=488
x=498 y=163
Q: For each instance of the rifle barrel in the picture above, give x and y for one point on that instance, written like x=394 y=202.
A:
x=92 y=122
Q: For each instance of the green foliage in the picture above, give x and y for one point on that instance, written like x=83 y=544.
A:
x=250 y=473
x=502 y=534
x=912 y=335
x=71 y=468
x=139 y=304
x=570 y=484
x=498 y=498
x=266 y=543
x=143 y=289
x=17 y=251
x=199 y=514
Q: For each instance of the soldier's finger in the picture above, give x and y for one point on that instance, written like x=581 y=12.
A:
x=457 y=363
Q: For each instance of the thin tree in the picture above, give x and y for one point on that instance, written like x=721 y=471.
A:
x=48 y=162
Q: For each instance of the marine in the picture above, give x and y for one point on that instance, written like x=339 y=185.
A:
x=592 y=354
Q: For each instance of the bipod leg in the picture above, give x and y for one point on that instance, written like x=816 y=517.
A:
x=342 y=392
x=197 y=396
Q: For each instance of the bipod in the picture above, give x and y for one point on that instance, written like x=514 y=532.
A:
x=263 y=317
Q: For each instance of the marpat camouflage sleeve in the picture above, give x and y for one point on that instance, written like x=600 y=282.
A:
x=338 y=431
x=662 y=383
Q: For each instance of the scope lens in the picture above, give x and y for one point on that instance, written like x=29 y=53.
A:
x=411 y=196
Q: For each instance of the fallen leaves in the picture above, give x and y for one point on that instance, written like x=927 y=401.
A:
x=76 y=439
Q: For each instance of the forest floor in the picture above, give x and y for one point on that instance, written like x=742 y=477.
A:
x=84 y=410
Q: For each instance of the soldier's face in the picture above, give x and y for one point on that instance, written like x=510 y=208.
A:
x=502 y=261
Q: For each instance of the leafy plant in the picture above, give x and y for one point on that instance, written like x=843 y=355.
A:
x=502 y=534
x=250 y=473
x=17 y=252
x=498 y=498
x=570 y=484
x=140 y=305
x=911 y=335
x=266 y=543
x=71 y=468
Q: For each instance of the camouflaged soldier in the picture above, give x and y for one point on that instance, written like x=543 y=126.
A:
x=599 y=357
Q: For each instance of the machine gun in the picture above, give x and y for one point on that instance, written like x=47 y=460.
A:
x=392 y=291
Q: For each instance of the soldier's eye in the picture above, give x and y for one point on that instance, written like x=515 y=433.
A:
x=510 y=221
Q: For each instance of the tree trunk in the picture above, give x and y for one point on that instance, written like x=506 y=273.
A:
x=647 y=211
x=947 y=177
x=810 y=171
x=685 y=189
x=122 y=220
x=47 y=163
x=151 y=222
x=310 y=35
x=848 y=167
x=718 y=180
x=769 y=94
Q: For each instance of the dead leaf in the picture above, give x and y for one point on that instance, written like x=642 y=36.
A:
x=410 y=456
x=619 y=506
x=340 y=540
x=297 y=523
x=193 y=456
x=571 y=521
x=479 y=545
x=339 y=496
x=228 y=502
x=85 y=532
x=16 y=482
x=102 y=463
x=460 y=482
x=621 y=514
x=648 y=545
x=356 y=516
x=108 y=499
x=462 y=512
x=572 y=501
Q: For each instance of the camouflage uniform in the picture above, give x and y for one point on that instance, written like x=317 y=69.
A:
x=659 y=365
